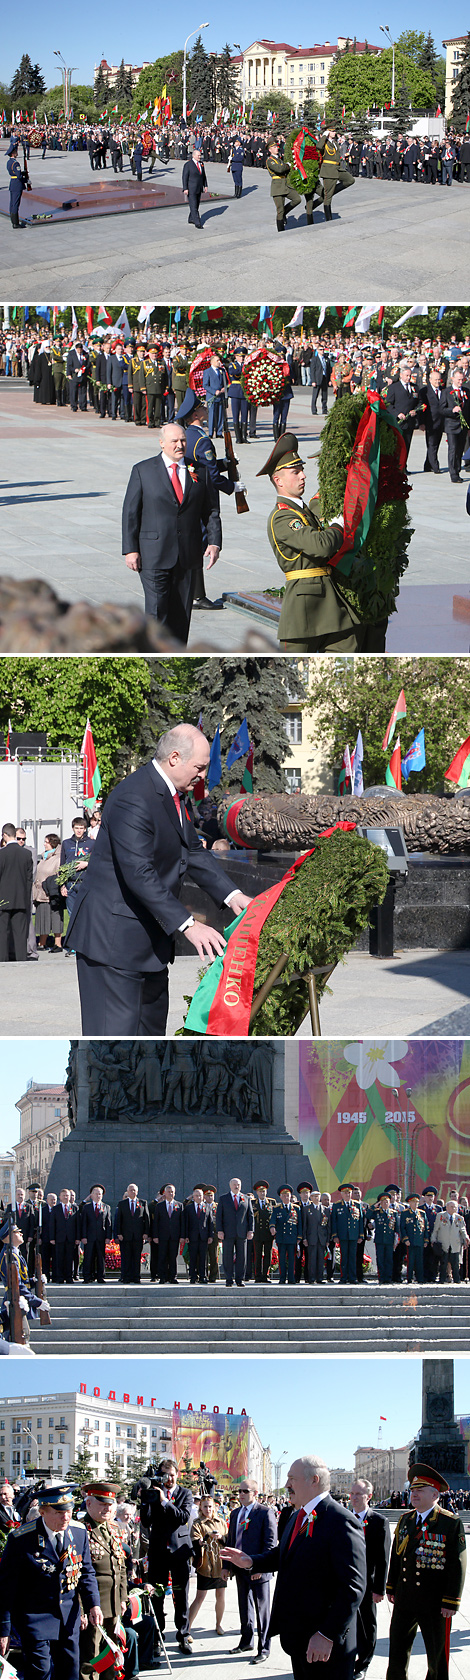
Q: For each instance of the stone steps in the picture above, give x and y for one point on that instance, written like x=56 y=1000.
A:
x=361 y=1319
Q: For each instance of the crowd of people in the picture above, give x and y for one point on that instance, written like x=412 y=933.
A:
x=84 y=1573
x=36 y=890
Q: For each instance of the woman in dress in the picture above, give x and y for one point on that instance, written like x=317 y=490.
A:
x=208 y=1534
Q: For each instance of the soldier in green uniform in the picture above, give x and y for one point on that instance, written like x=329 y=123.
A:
x=315 y=617
x=426 y=1576
x=261 y=1247
x=139 y=386
x=109 y=1563
x=286 y=1228
x=333 y=174
x=180 y=374
x=58 y=371
x=280 y=192
x=387 y=1228
x=347 y=1224
x=156 y=381
x=413 y=1235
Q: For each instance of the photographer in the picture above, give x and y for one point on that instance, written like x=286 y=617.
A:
x=165 y=1511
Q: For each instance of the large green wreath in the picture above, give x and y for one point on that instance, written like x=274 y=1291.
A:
x=311 y=161
x=374 y=581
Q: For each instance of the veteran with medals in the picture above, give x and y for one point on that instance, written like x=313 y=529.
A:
x=426 y=1576
x=315 y=615
x=47 y=1581
x=109 y=1562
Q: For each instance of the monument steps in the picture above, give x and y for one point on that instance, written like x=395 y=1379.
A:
x=360 y=1319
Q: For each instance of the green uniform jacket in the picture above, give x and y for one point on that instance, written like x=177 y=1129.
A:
x=278 y=172
x=138 y=373
x=332 y=168
x=431 y=1564
x=109 y=1563
x=313 y=606
x=180 y=375
x=156 y=378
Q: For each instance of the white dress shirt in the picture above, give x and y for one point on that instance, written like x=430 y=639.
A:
x=180 y=468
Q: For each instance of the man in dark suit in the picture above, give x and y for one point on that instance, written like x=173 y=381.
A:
x=316 y=1236
x=40 y=1583
x=403 y=402
x=194 y=184
x=165 y=506
x=235 y=1225
x=377 y=1540
x=167 y=1229
x=95 y=1231
x=432 y=397
x=131 y=1226
x=320 y=373
x=63 y=1237
x=16 y=880
x=199 y=1228
x=127 y=911
x=321 y=1575
x=456 y=410
x=253 y=1528
x=165 y=1512
x=77 y=373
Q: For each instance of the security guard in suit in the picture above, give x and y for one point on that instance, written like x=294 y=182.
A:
x=238 y=400
x=413 y=1232
x=426 y=1575
x=263 y=1209
x=109 y=1562
x=387 y=1228
x=315 y=616
x=333 y=175
x=17 y=184
x=286 y=1228
x=347 y=1224
x=46 y=1580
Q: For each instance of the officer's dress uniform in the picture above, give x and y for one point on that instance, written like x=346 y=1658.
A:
x=280 y=192
x=39 y=1597
x=238 y=400
x=333 y=174
x=156 y=381
x=180 y=377
x=427 y=1572
x=387 y=1227
x=315 y=616
x=139 y=387
x=109 y=1563
x=347 y=1224
x=262 y=1236
x=58 y=373
x=413 y=1229
x=17 y=185
x=33 y=1301
x=287 y=1233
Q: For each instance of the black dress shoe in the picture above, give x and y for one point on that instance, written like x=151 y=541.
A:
x=236 y=1648
x=229 y=1283
x=261 y=1657
x=240 y=1285
x=186 y=1647
x=203 y=603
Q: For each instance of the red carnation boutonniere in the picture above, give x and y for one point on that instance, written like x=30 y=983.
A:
x=192 y=474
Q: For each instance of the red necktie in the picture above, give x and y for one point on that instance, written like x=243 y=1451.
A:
x=198 y=1209
x=177 y=802
x=235 y=1201
x=176 y=483
x=297 y=1527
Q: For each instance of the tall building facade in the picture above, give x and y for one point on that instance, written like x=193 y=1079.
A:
x=301 y=73
x=44 y=1122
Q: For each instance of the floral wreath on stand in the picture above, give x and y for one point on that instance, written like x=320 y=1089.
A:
x=198 y=367
x=302 y=153
x=263 y=377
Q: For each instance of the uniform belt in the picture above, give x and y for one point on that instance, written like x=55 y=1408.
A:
x=309 y=571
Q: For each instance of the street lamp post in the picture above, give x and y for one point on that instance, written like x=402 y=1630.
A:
x=277 y=1469
x=189 y=38
x=385 y=31
x=66 y=73
x=238 y=49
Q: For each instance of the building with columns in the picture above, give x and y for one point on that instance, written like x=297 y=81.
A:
x=301 y=73
x=44 y=1122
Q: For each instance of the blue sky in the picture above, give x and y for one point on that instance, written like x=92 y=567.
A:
x=330 y=1406
x=44 y=1060
x=75 y=32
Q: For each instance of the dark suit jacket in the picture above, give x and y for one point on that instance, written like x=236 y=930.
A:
x=127 y=909
x=316 y=1225
x=234 y=1222
x=167 y=1524
x=16 y=876
x=93 y=1226
x=127 y=1224
x=198 y=1225
x=433 y=405
x=401 y=401
x=318 y=376
x=158 y=527
x=24 y=1220
x=449 y=402
x=260 y=1534
x=320 y=1582
x=378 y=1543
x=194 y=180
x=77 y=364
x=62 y=1230
x=168 y=1225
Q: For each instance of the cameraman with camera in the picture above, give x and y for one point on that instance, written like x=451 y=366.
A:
x=165 y=1511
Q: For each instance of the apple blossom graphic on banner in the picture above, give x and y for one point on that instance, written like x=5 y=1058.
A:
x=380 y=1110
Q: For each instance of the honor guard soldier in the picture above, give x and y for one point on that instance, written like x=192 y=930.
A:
x=412 y=1232
x=278 y=170
x=139 y=386
x=387 y=1229
x=29 y=1301
x=156 y=381
x=333 y=175
x=109 y=1562
x=238 y=400
x=17 y=184
x=263 y=1208
x=200 y=451
x=315 y=617
x=347 y=1224
x=47 y=1581
x=286 y=1228
x=426 y=1576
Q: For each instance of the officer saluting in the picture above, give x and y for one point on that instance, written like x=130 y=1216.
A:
x=46 y=1580
x=426 y=1575
x=315 y=617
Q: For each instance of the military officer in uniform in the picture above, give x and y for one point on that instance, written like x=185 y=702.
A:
x=413 y=1232
x=286 y=1228
x=333 y=175
x=278 y=170
x=139 y=386
x=387 y=1228
x=426 y=1576
x=317 y=1232
x=210 y=1201
x=17 y=183
x=304 y=1191
x=109 y=1563
x=46 y=1580
x=399 y=1252
x=315 y=617
x=263 y=1207
x=58 y=371
x=156 y=380
x=347 y=1224
x=180 y=375
x=238 y=400
x=430 y=1215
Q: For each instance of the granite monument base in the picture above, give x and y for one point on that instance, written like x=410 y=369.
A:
x=439 y=1442
x=184 y=1152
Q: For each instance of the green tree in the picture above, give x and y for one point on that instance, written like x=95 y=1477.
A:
x=137 y=1464
x=27 y=80
x=427 y=56
x=227 y=80
x=201 y=82
x=402 y=110
x=81 y=99
x=101 y=92
x=281 y=107
x=123 y=85
x=361 y=694
x=164 y=72
x=310 y=112
x=412 y=42
x=230 y=689
x=172 y=701
x=57 y=695
x=361 y=80
x=461 y=91
x=116 y=1473
x=81 y=1470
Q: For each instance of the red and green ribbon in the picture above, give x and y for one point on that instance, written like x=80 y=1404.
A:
x=221 y=1006
x=362 y=482
x=298 y=148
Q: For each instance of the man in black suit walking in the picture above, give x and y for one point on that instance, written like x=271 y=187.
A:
x=165 y=507
x=403 y=402
x=131 y=1226
x=377 y=1540
x=127 y=911
x=167 y=1229
x=456 y=411
x=321 y=1575
x=253 y=1528
x=95 y=1231
x=194 y=184
x=320 y=373
x=235 y=1225
x=432 y=397
x=199 y=1229
x=16 y=880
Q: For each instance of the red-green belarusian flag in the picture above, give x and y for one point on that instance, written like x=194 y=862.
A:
x=399 y=711
x=467 y=125
x=345 y=774
x=247 y=778
x=91 y=773
x=106 y=1656
x=135 y=1606
x=350 y=316
x=459 y=770
x=114 y=111
x=393 y=771
x=104 y=316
